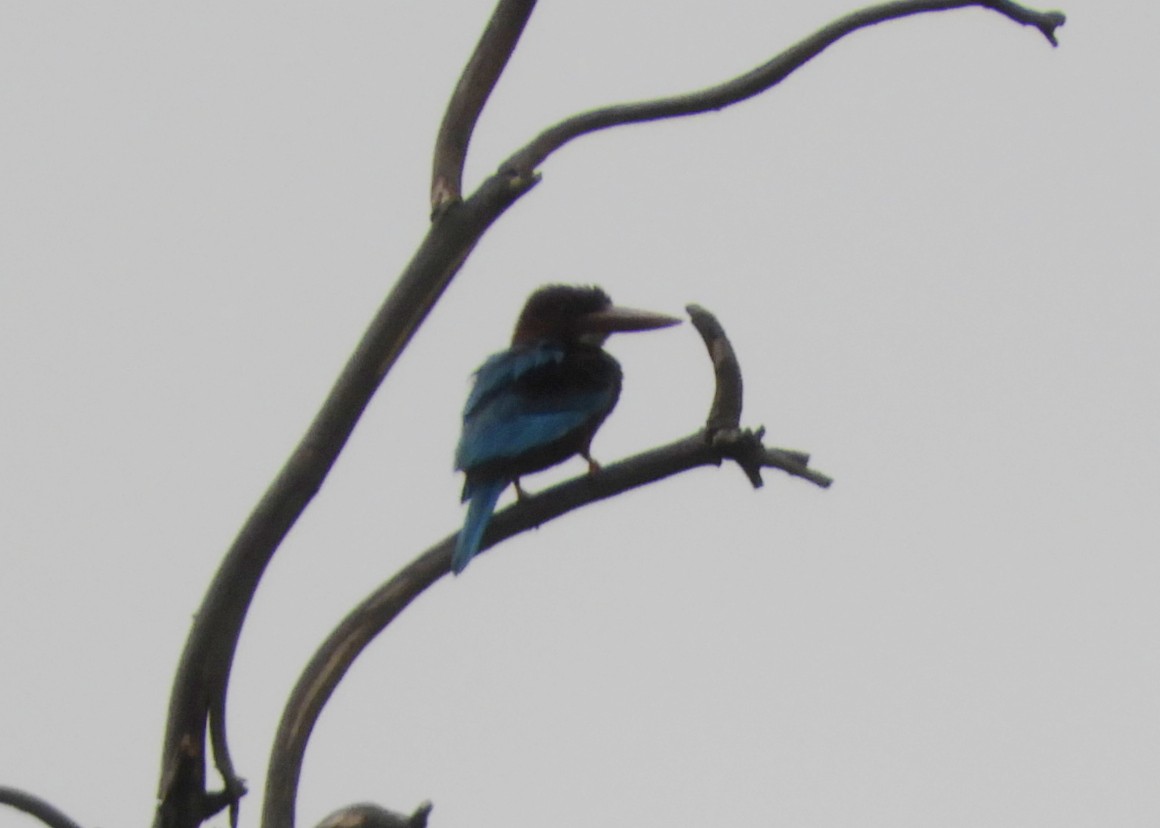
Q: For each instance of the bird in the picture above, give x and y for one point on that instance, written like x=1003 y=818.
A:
x=540 y=401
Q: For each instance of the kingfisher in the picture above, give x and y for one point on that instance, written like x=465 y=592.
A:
x=540 y=401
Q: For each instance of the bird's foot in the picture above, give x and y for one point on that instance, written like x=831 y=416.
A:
x=593 y=466
x=521 y=495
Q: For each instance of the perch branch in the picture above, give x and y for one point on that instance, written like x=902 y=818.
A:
x=475 y=85
x=36 y=807
x=524 y=163
x=706 y=447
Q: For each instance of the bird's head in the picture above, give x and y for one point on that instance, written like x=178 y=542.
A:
x=570 y=313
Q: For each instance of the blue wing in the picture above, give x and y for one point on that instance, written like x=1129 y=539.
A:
x=501 y=370
x=502 y=421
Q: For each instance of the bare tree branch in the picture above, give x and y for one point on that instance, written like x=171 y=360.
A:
x=476 y=82
x=524 y=162
x=198 y=701
x=725 y=412
x=199 y=692
x=709 y=446
x=36 y=807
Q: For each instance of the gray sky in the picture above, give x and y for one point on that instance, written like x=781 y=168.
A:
x=935 y=249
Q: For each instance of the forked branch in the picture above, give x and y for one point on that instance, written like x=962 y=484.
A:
x=475 y=85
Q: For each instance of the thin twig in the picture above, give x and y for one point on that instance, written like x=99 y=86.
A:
x=36 y=807
x=524 y=163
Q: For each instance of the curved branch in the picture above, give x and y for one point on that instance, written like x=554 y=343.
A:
x=725 y=412
x=769 y=74
x=199 y=692
x=476 y=82
x=36 y=807
x=707 y=447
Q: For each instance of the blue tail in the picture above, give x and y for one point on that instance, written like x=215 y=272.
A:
x=483 y=498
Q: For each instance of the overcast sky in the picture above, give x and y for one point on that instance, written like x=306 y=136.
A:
x=935 y=249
